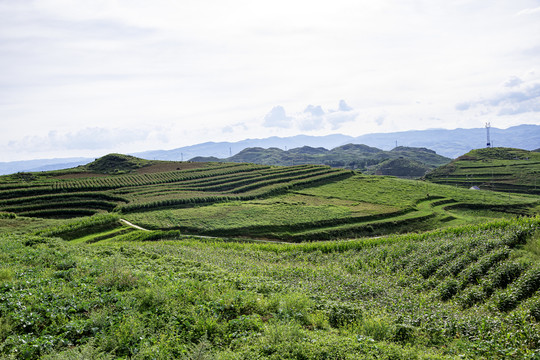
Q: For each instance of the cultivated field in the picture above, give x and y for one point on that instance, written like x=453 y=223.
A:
x=243 y=261
x=500 y=169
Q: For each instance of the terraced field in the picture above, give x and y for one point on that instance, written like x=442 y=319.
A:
x=292 y=203
x=499 y=169
x=51 y=197
x=242 y=261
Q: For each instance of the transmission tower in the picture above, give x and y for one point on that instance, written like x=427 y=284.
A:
x=488 y=125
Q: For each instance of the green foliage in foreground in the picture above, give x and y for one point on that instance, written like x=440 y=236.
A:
x=470 y=292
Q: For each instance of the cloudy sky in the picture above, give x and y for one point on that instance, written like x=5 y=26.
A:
x=84 y=78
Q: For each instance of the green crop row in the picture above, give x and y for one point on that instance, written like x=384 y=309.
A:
x=81 y=227
x=65 y=204
x=62 y=197
x=246 y=184
x=61 y=213
x=292 y=179
x=262 y=190
x=113 y=182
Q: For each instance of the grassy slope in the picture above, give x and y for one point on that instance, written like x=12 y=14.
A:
x=255 y=200
x=351 y=204
x=501 y=169
x=470 y=292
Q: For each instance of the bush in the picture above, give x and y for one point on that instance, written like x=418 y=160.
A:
x=7 y=215
x=341 y=314
x=534 y=310
x=448 y=289
x=505 y=274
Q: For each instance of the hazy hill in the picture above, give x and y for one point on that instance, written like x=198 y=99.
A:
x=225 y=149
x=453 y=143
x=501 y=169
x=410 y=162
x=449 y=143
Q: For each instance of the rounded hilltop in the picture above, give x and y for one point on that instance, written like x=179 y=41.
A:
x=117 y=163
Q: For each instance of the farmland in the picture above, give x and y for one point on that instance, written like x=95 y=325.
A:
x=500 y=169
x=463 y=292
x=244 y=261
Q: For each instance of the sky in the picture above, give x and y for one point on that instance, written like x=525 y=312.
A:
x=86 y=78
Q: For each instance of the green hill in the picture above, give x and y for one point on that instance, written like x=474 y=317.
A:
x=499 y=169
x=404 y=168
x=351 y=156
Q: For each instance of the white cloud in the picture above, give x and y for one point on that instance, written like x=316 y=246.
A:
x=277 y=118
x=87 y=138
x=314 y=110
x=526 y=99
x=513 y=82
x=529 y=11
x=313 y=118
x=199 y=68
x=343 y=106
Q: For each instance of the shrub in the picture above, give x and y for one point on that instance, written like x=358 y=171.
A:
x=118 y=278
x=506 y=301
x=447 y=289
x=7 y=215
x=341 y=314
x=505 y=274
x=292 y=306
x=6 y=274
x=534 y=310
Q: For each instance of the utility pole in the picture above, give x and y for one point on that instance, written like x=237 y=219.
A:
x=488 y=125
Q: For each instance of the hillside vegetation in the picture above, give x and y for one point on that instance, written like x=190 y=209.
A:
x=499 y=169
x=246 y=261
x=415 y=162
x=294 y=203
x=469 y=292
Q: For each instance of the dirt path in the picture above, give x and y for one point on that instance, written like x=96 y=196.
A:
x=241 y=240
x=133 y=225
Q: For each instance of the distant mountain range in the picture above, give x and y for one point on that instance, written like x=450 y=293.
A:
x=449 y=143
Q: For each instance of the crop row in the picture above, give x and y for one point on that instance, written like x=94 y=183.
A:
x=59 y=213
x=217 y=183
x=256 y=192
x=370 y=228
x=292 y=178
x=246 y=184
x=62 y=197
x=113 y=182
x=87 y=204
x=284 y=231
x=219 y=180
x=77 y=228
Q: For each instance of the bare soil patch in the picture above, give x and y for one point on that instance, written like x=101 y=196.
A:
x=79 y=175
x=170 y=166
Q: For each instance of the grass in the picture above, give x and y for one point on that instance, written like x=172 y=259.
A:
x=355 y=206
x=287 y=210
x=453 y=286
x=437 y=295
x=501 y=169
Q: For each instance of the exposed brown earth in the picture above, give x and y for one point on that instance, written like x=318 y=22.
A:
x=79 y=175
x=170 y=166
